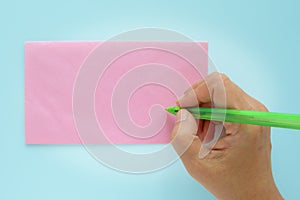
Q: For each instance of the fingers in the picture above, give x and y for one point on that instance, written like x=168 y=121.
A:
x=184 y=139
x=219 y=90
x=195 y=95
x=216 y=90
x=208 y=131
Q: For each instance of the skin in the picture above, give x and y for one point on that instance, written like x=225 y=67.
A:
x=239 y=165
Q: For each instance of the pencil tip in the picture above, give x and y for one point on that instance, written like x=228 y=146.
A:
x=173 y=109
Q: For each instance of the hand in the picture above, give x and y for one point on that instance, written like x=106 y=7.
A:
x=239 y=165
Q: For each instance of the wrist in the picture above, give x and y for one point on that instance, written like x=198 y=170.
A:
x=265 y=189
x=250 y=189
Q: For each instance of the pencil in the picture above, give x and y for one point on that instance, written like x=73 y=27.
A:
x=272 y=119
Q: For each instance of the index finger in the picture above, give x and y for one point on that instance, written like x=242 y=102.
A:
x=209 y=90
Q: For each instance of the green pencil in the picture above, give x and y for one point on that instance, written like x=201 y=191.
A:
x=272 y=119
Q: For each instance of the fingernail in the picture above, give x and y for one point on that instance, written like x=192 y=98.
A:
x=187 y=99
x=179 y=100
x=186 y=94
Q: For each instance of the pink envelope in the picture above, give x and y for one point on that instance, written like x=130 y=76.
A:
x=156 y=75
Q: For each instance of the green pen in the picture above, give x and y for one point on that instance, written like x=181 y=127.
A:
x=260 y=118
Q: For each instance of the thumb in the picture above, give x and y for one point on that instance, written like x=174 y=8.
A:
x=184 y=139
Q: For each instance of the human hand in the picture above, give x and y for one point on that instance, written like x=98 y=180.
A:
x=239 y=164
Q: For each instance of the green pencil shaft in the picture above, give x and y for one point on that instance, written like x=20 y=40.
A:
x=248 y=117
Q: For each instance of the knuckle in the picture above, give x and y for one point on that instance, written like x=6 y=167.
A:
x=224 y=77
x=218 y=75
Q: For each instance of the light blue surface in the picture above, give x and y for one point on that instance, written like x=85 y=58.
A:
x=256 y=43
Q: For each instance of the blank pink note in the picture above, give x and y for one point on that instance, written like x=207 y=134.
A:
x=129 y=98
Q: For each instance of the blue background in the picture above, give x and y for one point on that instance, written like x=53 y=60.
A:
x=255 y=42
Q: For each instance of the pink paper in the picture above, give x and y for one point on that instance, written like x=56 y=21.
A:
x=51 y=69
